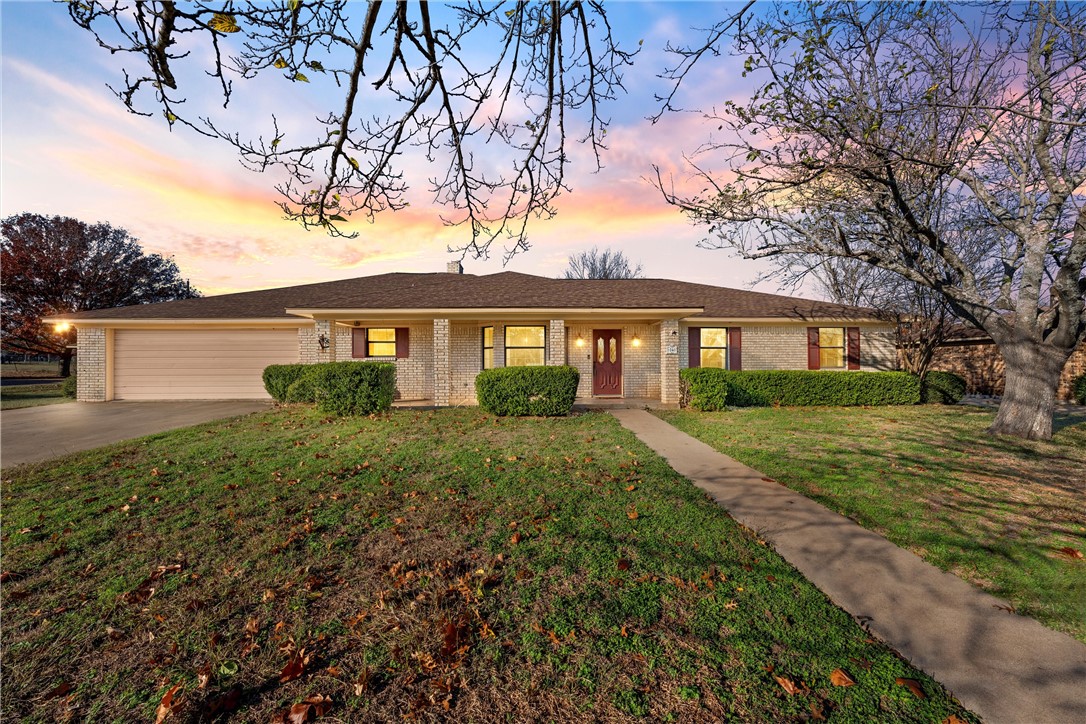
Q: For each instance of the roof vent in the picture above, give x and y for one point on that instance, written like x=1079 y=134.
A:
x=454 y=267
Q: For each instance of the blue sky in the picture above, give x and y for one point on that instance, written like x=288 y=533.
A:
x=70 y=148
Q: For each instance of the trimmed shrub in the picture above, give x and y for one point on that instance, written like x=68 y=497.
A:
x=278 y=378
x=943 y=388
x=301 y=390
x=542 y=391
x=704 y=388
x=70 y=386
x=1078 y=389
x=353 y=388
x=798 y=388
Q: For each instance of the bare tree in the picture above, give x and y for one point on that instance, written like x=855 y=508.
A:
x=596 y=264
x=547 y=68
x=950 y=151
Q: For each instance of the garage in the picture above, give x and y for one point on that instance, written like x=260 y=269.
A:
x=198 y=364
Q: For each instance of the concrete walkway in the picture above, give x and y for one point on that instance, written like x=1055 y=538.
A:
x=1004 y=667
x=33 y=434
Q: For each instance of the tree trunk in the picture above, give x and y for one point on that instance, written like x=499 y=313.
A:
x=66 y=363
x=1029 y=398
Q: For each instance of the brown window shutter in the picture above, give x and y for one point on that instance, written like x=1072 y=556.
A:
x=813 y=362
x=358 y=343
x=853 y=334
x=735 y=348
x=403 y=342
x=694 y=346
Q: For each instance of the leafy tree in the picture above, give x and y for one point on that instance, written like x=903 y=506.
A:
x=596 y=264
x=448 y=81
x=54 y=265
x=947 y=149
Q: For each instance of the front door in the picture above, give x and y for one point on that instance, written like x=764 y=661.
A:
x=607 y=362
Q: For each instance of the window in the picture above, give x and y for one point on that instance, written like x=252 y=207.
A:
x=714 y=347
x=488 y=348
x=381 y=342
x=831 y=348
x=525 y=346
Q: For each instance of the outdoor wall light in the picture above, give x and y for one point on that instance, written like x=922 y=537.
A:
x=636 y=341
x=62 y=327
x=322 y=341
x=580 y=340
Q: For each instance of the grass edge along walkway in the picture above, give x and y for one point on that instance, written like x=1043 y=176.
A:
x=1004 y=667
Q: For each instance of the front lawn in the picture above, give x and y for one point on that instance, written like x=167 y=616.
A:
x=13 y=397
x=1007 y=515
x=419 y=565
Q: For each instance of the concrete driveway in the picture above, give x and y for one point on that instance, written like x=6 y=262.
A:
x=33 y=434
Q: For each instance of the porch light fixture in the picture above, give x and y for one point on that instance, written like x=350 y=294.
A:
x=580 y=340
x=636 y=341
x=322 y=341
x=62 y=327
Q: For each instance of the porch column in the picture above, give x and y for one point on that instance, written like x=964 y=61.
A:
x=669 y=362
x=556 y=343
x=92 y=369
x=442 y=366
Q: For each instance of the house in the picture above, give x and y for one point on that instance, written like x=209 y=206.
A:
x=970 y=353
x=629 y=337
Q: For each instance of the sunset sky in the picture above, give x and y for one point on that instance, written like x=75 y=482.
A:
x=70 y=148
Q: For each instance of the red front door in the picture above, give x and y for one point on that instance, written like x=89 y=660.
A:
x=607 y=362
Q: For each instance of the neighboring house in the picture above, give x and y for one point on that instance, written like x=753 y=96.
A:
x=628 y=337
x=971 y=353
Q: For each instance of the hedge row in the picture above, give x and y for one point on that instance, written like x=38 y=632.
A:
x=543 y=391
x=1078 y=389
x=710 y=389
x=339 y=388
x=944 y=388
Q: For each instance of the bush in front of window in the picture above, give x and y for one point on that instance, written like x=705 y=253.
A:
x=1078 y=389
x=302 y=389
x=353 y=388
x=942 y=388
x=799 y=388
x=516 y=391
x=278 y=378
x=703 y=388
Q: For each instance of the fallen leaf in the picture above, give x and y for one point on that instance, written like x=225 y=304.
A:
x=294 y=668
x=362 y=682
x=252 y=626
x=1069 y=552
x=953 y=719
x=515 y=538
x=816 y=712
x=788 y=685
x=632 y=513
x=203 y=676
x=631 y=488
x=58 y=690
x=114 y=633
x=167 y=705
x=840 y=678
x=912 y=685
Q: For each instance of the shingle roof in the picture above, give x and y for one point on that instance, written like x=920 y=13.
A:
x=468 y=291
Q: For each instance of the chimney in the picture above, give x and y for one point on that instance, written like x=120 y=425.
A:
x=454 y=267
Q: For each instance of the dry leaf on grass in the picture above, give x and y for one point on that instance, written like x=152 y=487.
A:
x=1069 y=552
x=169 y=704
x=839 y=678
x=294 y=668
x=788 y=685
x=953 y=719
x=912 y=685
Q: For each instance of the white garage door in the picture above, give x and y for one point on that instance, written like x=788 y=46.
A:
x=221 y=364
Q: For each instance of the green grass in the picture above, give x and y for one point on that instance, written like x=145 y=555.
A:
x=994 y=511
x=507 y=569
x=14 y=397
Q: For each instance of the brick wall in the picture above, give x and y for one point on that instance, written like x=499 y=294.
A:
x=784 y=347
x=442 y=363
x=415 y=373
x=981 y=365
x=640 y=365
x=465 y=361
x=91 y=364
x=669 y=361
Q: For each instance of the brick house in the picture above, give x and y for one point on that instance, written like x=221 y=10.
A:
x=628 y=338
x=973 y=355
